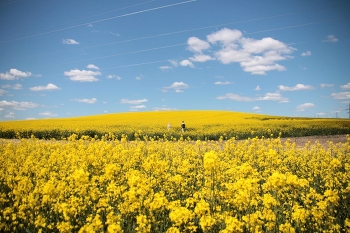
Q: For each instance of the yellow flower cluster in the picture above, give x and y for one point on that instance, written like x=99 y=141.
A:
x=253 y=185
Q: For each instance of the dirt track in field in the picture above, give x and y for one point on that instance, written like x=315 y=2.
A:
x=299 y=141
x=323 y=140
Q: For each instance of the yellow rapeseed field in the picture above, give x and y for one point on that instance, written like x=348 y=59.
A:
x=253 y=185
x=200 y=125
x=129 y=173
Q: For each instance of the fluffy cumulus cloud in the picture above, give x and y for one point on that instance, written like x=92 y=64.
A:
x=87 y=101
x=346 y=86
x=268 y=96
x=201 y=58
x=307 y=53
x=197 y=45
x=298 y=87
x=176 y=86
x=303 y=107
x=48 y=87
x=92 y=66
x=186 y=63
x=256 y=56
x=82 y=75
x=127 y=101
x=341 y=95
x=69 y=41
x=17 y=105
x=113 y=76
x=13 y=74
x=331 y=39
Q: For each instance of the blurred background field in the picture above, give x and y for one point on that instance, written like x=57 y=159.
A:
x=200 y=125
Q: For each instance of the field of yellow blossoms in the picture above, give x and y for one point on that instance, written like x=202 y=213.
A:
x=200 y=125
x=111 y=183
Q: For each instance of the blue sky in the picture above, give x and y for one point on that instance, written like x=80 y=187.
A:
x=86 y=57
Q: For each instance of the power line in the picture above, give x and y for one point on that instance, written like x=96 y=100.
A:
x=119 y=54
x=101 y=20
x=188 y=30
x=169 y=46
x=95 y=15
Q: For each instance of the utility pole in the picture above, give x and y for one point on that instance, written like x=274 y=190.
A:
x=348 y=109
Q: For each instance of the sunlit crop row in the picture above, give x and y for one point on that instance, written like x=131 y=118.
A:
x=200 y=125
x=254 y=185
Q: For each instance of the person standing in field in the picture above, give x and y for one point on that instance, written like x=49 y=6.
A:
x=169 y=126
x=183 y=126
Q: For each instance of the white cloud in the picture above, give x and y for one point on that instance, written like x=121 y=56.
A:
x=274 y=97
x=82 y=75
x=302 y=107
x=88 y=101
x=174 y=63
x=323 y=85
x=332 y=39
x=92 y=66
x=297 y=87
x=114 y=76
x=17 y=87
x=304 y=54
x=13 y=74
x=114 y=34
x=48 y=114
x=165 y=68
x=126 y=101
x=10 y=115
x=257 y=88
x=256 y=108
x=341 y=95
x=48 y=87
x=176 y=86
x=186 y=63
x=197 y=45
x=235 y=97
x=69 y=41
x=225 y=36
x=2 y=92
x=223 y=83
x=139 y=77
x=307 y=53
x=267 y=96
x=254 y=56
x=346 y=86
x=201 y=58
x=17 y=105
x=137 y=107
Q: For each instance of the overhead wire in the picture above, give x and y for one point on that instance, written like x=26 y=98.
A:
x=94 y=15
x=101 y=20
x=206 y=27
x=170 y=46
